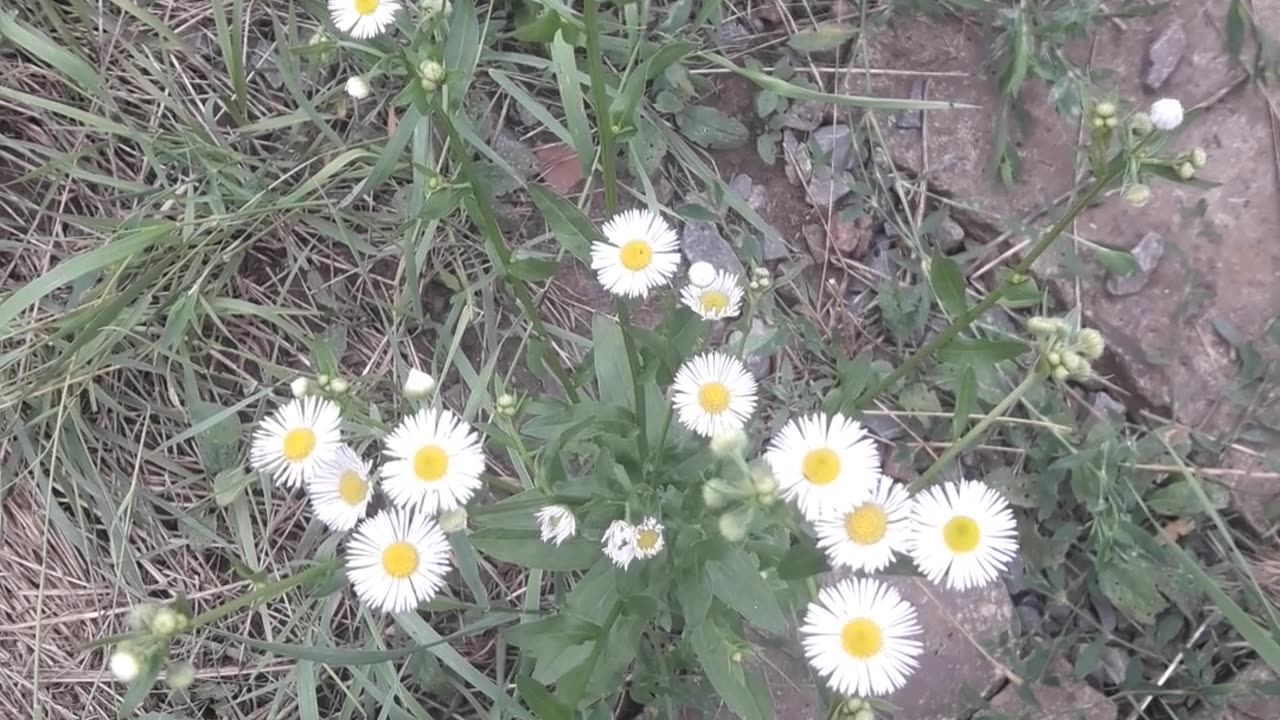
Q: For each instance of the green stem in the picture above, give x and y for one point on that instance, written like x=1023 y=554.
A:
x=973 y=313
x=928 y=476
x=265 y=592
x=499 y=251
x=633 y=359
x=599 y=100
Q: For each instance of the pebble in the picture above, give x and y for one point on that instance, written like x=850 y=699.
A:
x=1028 y=619
x=805 y=115
x=827 y=186
x=912 y=119
x=758 y=364
x=1163 y=56
x=799 y=164
x=703 y=241
x=949 y=236
x=835 y=142
x=1147 y=254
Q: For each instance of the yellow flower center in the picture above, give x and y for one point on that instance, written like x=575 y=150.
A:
x=821 y=466
x=636 y=255
x=647 y=538
x=400 y=560
x=430 y=463
x=298 y=444
x=961 y=534
x=366 y=7
x=352 y=488
x=861 y=638
x=866 y=524
x=713 y=397
x=714 y=301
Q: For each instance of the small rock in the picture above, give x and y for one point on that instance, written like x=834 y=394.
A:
x=998 y=319
x=1028 y=619
x=663 y=190
x=881 y=247
x=731 y=34
x=1111 y=666
x=799 y=164
x=804 y=115
x=751 y=191
x=835 y=142
x=703 y=241
x=912 y=119
x=1163 y=56
x=1147 y=254
x=758 y=363
x=827 y=186
x=884 y=427
x=849 y=237
x=1105 y=611
x=772 y=249
x=815 y=238
x=950 y=236
x=515 y=152
x=1068 y=698
x=1106 y=406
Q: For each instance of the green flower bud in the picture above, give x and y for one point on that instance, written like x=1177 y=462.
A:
x=1053 y=357
x=1104 y=109
x=865 y=713
x=1099 y=122
x=179 y=675
x=1112 y=123
x=766 y=499
x=760 y=272
x=713 y=497
x=763 y=481
x=166 y=622
x=753 y=285
x=1091 y=342
x=141 y=616
x=339 y=386
x=1061 y=374
x=323 y=381
x=506 y=400
x=432 y=73
x=1138 y=194
x=1199 y=157
x=736 y=657
x=853 y=705
x=1140 y=124
x=1071 y=360
x=434 y=182
x=453 y=520
x=1042 y=325
x=1084 y=370
x=1186 y=170
x=729 y=443
x=733 y=525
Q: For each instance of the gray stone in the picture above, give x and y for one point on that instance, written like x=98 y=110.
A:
x=805 y=115
x=849 y=236
x=703 y=241
x=1249 y=701
x=1105 y=612
x=882 y=426
x=748 y=189
x=835 y=142
x=798 y=162
x=512 y=149
x=827 y=186
x=1111 y=666
x=950 y=235
x=758 y=363
x=1163 y=56
x=1029 y=618
x=1068 y=699
x=912 y=119
x=952 y=622
x=1147 y=255
x=731 y=34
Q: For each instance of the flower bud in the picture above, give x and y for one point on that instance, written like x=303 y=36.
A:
x=712 y=497
x=453 y=520
x=736 y=657
x=1140 y=124
x=418 y=384
x=179 y=675
x=319 y=37
x=141 y=616
x=764 y=282
x=733 y=525
x=1053 y=357
x=1098 y=122
x=853 y=705
x=1071 y=360
x=1186 y=170
x=125 y=664
x=865 y=713
x=1104 y=109
x=1199 y=157
x=1138 y=194
x=1166 y=114
x=760 y=272
x=505 y=400
x=1083 y=370
x=763 y=481
x=166 y=622
x=753 y=285
x=728 y=443
x=357 y=87
x=339 y=386
x=300 y=387
x=322 y=381
x=1092 y=344
x=432 y=73
x=1061 y=374
x=1112 y=123
x=1042 y=325
x=702 y=274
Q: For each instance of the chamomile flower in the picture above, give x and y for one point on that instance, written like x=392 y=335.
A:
x=292 y=443
x=720 y=298
x=397 y=560
x=556 y=524
x=714 y=393
x=363 y=18
x=648 y=540
x=340 y=489
x=824 y=464
x=866 y=535
x=639 y=255
x=619 y=543
x=435 y=464
x=860 y=635
x=963 y=532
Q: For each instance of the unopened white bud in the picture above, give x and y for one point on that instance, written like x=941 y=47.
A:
x=733 y=526
x=357 y=87
x=728 y=443
x=125 y=665
x=1199 y=157
x=702 y=274
x=1061 y=374
x=1186 y=170
x=300 y=387
x=339 y=386
x=1166 y=114
x=1138 y=195
x=180 y=675
x=453 y=520
x=418 y=384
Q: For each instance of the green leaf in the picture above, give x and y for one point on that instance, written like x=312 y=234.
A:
x=1118 y=262
x=767 y=147
x=228 y=484
x=566 y=68
x=917 y=397
x=572 y=228
x=766 y=102
x=948 y=284
x=552 y=635
x=613 y=369
x=827 y=36
x=966 y=401
x=696 y=213
x=39 y=45
x=725 y=675
x=803 y=560
x=624 y=103
x=1130 y=585
x=854 y=376
x=1235 y=28
x=736 y=581
x=540 y=701
x=537 y=28
x=963 y=351
x=523 y=548
x=461 y=47
x=711 y=127
x=1180 y=498
x=533 y=269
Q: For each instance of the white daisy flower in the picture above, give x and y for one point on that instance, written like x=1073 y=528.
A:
x=649 y=540
x=1166 y=113
x=436 y=462
x=340 y=489
x=363 y=18
x=291 y=443
x=714 y=393
x=859 y=636
x=824 y=464
x=964 y=532
x=357 y=87
x=640 y=253
x=720 y=298
x=866 y=536
x=397 y=560
x=702 y=274
x=619 y=543
x=556 y=524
